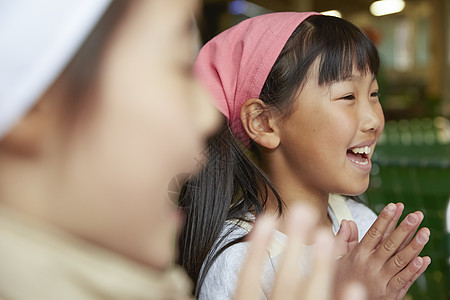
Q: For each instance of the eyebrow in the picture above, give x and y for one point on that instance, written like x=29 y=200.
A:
x=354 y=78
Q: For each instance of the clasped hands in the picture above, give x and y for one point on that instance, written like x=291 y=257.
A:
x=382 y=266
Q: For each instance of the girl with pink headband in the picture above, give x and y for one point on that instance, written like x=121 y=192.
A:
x=299 y=97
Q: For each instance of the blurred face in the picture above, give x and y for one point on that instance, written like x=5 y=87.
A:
x=329 y=139
x=149 y=120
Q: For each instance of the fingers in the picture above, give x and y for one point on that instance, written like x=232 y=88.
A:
x=379 y=227
x=300 y=223
x=411 y=235
x=342 y=239
x=346 y=238
x=322 y=275
x=250 y=276
x=425 y=264
x=401 y=282
x=391 y=243
x=393 y=224
x=354 y=238
x=403 y=258
x=403 y=291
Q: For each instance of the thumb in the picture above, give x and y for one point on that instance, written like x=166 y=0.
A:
x=353 y=240
x=346 y=238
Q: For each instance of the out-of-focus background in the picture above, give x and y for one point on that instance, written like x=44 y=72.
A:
x=412 y=159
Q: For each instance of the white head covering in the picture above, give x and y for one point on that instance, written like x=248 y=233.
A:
x=38 y=38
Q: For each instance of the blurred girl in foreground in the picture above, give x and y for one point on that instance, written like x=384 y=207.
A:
x=98 y=112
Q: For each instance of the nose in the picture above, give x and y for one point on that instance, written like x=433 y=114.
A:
x=207 y=116
x=372 y=116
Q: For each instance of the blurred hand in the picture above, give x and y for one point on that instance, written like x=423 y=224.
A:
x=289 y=283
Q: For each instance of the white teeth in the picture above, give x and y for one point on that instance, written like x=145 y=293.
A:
x=365 y=150
x=363 y=163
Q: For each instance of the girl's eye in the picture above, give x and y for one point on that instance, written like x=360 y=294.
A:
x=349 y=97
x=375 y=94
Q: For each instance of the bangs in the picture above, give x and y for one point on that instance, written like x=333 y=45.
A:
x=334 y=47
x=342 y=49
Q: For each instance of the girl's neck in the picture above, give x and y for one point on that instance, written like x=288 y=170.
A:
x=293 y=190
x=290 y=197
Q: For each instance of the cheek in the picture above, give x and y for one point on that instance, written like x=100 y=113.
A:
x=181 y=139
x=332 y=127
x=381 y=118
x=166 y=115
x=135 y=147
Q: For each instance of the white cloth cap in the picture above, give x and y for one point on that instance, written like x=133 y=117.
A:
x=38 y=38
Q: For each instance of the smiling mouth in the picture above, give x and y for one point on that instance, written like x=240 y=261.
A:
x=360 y=155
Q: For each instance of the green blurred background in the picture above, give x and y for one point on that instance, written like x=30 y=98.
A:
x=411 y=163
x=412 y=166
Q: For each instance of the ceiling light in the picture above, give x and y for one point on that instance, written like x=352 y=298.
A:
x=334 y=13
x=386 y=7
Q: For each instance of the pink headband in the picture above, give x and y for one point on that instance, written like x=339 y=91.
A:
x=235 y=64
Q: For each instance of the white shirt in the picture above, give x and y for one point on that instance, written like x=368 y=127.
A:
x=220 y=281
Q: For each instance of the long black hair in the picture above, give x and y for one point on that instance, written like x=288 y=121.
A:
x=231 y=184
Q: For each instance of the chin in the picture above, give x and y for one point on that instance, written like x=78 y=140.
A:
x=359 y=191
x=158 y=251
x=355 y=190
x=160 y=260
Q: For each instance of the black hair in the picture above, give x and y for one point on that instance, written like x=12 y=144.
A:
x=239 y=186
x=340 y=48
x=231 y=184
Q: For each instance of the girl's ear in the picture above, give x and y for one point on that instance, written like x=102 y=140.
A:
x=259 y=123
x=27 y=136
